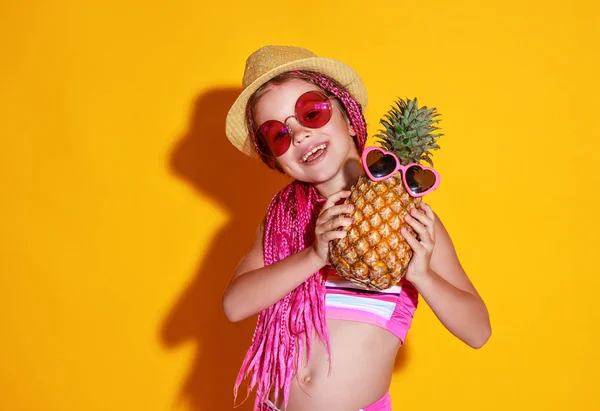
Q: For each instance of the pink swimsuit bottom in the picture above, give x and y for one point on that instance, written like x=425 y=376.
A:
x=382 y=404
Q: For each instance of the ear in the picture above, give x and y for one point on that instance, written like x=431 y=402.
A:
x=351 y=130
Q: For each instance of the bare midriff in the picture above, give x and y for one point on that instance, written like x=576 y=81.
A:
x=362 y=363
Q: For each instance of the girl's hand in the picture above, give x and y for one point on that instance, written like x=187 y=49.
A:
x=422 y=221
x=328 y=223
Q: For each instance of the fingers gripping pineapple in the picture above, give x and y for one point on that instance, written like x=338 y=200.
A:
x=374 y=254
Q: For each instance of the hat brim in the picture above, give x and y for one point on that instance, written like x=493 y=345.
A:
x=235 y=124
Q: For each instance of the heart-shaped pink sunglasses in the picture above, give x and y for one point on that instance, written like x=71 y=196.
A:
x=380 y=165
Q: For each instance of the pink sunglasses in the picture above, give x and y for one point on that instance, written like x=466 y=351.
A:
x=380 y=165
x=313 y=109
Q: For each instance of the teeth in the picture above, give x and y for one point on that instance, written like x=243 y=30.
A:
x=311 y=152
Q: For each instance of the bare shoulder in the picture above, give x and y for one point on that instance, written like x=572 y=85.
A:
x=254 y=258
x=445 y=261
x=444 y=247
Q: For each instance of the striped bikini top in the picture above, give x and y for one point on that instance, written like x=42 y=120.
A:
x=390 y=309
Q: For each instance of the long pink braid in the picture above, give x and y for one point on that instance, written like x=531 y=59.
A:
x=283 y=329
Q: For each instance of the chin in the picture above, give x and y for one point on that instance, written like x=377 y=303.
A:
x=327 y=173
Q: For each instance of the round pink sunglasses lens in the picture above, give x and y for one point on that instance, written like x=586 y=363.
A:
x=313 y=109
x=274 y=138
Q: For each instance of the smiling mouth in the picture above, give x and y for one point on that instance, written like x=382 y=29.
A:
x=314 y=153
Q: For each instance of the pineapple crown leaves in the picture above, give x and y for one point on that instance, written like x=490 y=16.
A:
x=409 y=131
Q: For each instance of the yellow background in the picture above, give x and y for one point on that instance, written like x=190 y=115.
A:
x=125 y=210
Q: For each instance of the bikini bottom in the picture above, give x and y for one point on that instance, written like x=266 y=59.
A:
x=382 y=404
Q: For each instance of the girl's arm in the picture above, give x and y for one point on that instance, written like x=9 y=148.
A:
x=255 y=287
x=439 y=277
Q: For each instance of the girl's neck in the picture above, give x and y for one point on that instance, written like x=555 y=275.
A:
x=343 y=180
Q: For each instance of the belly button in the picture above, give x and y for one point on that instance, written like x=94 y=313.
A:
x=305 y=377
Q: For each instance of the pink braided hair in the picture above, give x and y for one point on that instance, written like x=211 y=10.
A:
x=282 y=329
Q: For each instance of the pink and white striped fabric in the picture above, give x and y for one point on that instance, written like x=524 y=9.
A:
x=392 y=309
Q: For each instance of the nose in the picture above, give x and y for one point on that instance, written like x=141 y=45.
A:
x=298 y=131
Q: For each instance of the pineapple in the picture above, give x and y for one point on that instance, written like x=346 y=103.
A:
x=374 y=254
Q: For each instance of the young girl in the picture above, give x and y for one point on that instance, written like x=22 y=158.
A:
x=319 y=344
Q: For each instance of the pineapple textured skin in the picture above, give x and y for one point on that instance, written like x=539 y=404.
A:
x=374 y=254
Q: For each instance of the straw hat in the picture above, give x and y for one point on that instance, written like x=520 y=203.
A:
x=270 y=61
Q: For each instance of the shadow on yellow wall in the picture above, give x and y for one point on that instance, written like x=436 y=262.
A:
x=243 y=186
